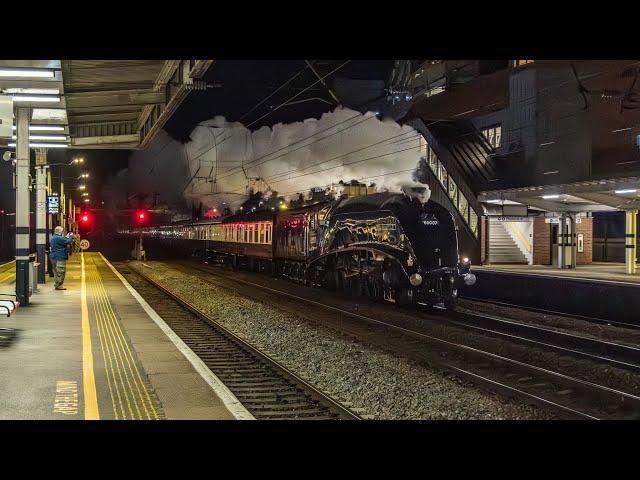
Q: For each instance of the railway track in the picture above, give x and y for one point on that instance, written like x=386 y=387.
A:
x=267 y=389
x=572 y=396
x=599 y=350
x=552 y=312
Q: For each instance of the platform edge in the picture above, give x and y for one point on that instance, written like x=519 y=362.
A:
x=229 y=400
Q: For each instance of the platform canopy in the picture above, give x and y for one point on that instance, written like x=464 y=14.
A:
x=92 y=104
x=591 y=195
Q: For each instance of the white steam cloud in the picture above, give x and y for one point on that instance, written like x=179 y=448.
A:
x=225 y=159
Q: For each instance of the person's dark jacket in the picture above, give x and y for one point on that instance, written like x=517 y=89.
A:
x=59 y=247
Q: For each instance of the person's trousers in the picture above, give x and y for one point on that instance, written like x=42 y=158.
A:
x=59 y=271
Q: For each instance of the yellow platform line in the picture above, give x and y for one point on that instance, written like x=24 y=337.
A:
x=91 y=411
x=117 y=348
x=110 y=350
x=108 y=366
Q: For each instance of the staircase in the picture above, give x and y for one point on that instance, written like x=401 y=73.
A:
x=502 y=248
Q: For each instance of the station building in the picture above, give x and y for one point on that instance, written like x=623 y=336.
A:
x=538 y=161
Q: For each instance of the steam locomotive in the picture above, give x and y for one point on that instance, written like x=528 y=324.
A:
x=391 y=246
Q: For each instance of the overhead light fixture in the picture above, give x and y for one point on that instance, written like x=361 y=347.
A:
x=32 y=91
x=25 y=73
x=44 y=128
x=41 y=145
x=620 y=130
x=629 y=190
x=45 y=137
x=494 y=201
x=36 y=98
x=547 y=197
x=59 y=115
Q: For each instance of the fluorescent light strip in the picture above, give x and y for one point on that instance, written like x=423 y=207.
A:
x=26 y=73
x=35 y=98
x=621 y=130
x=44 y=128
x=42 y=145
x=45 y=137
x=630 y=190
x=547 y=197
x=32 y=91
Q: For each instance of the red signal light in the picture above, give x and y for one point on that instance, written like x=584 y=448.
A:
x=141 y=216
x=85 y=218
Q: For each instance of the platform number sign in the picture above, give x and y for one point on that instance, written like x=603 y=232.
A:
x=84 y=244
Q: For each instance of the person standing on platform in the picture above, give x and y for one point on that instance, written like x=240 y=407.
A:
x=59 y=255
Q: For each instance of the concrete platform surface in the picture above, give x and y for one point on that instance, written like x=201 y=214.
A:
x=93 y=352
x=597 y=271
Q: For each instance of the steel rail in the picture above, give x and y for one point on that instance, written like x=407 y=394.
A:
x=600 y=389
x=341 y=410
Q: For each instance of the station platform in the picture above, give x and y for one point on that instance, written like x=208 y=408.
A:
x=600 y=291
x=596 y=271
x=96 y=351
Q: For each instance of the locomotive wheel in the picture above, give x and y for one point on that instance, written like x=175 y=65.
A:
x=404 y=297
x=356 y=284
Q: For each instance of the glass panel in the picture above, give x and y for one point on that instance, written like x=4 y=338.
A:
x=453 y=191
x=473 y=221
x=498 y=136
x=463 y=207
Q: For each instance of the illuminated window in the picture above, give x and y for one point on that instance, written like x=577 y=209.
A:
x=519 y=63
x=493 y=135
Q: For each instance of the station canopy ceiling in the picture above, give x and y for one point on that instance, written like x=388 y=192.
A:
x=92 y=104
x=586 y=196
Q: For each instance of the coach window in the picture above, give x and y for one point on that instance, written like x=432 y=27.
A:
x=255 y=233
x=268 y=234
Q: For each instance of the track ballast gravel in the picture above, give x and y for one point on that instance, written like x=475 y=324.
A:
x=377 y=384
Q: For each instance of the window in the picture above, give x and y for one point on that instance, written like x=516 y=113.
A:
x=463 y=207
x=246 y=233
x=255 y=233
x=519 y=63
x=473 y=221
x=262 y=225
x=493 y=135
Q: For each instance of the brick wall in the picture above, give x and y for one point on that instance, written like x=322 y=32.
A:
x=585 y=227
x=542 y=242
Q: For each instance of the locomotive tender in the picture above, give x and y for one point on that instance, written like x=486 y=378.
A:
x=390 y=246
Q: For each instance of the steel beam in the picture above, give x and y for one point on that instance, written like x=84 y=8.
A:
x=22 y=205
x=630 y=243
x=41 y=211
x=75 y=100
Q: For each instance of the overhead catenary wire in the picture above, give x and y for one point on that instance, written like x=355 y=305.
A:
x=282 y=104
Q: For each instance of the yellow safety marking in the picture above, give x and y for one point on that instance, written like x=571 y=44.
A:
x=7 y=275
x=109 y=351
x=113 y=327
x=128 y=355
x=108 y=365
x=91 y=411
x=66 y=401
x=118 y=352
x=116 y=330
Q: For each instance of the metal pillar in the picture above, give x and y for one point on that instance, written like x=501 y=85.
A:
x=562 y=233
x=22 y=205
x=630 y=247
x=63 y=203
x=573 y=241
x=41 y=211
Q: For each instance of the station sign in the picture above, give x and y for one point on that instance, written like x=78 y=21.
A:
x=510 y=218
x=556 y=220
x=53 y=204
